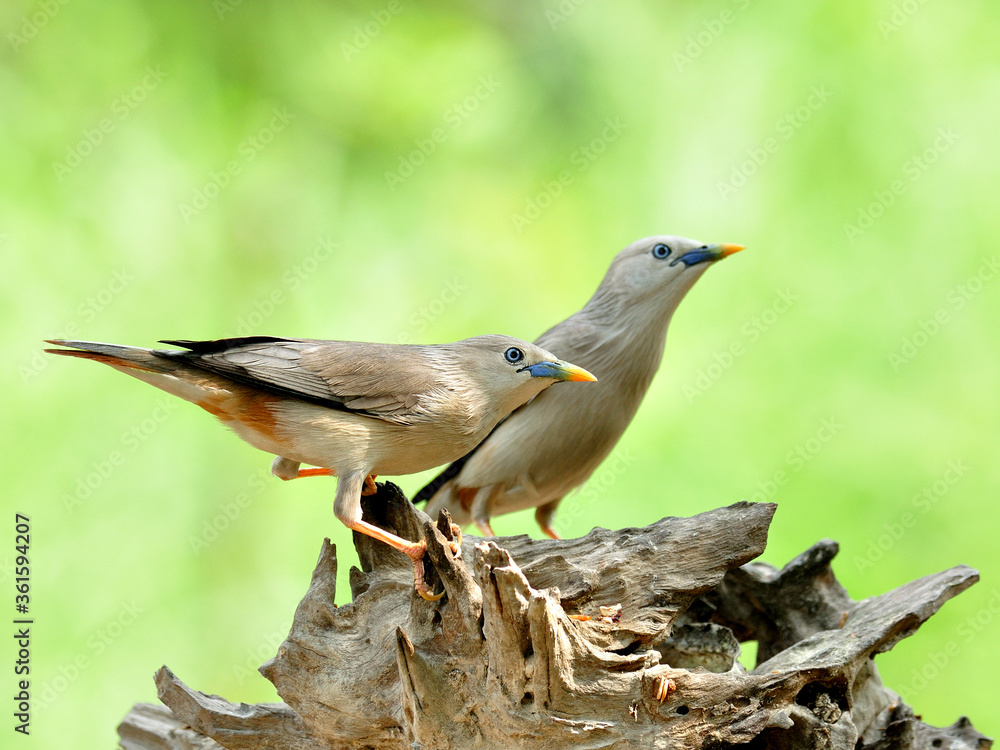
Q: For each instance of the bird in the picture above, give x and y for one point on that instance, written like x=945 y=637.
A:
x=352 y=410
x=554 y=442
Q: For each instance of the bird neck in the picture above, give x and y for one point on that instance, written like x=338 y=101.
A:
x=634 y=321
x=626 y=339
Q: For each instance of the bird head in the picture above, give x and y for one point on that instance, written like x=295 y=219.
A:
x=510 y=371
x=659 y=271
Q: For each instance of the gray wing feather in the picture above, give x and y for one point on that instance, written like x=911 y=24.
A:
x=383 y=381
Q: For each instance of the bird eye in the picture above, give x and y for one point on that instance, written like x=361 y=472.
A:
x=513 y=355
x=661 y=251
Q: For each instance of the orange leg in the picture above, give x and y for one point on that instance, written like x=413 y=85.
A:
x=550 y=532
x=314 y=472
x=481 y=509
x=543 y=516
x=414 y=550
x=318 y=471
x=483 y=525
x=347 y=508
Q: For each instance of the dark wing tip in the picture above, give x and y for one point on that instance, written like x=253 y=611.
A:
x=215 y=346
x=430 y=489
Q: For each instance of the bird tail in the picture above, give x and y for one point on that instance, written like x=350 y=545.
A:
x=119 y=357
x=176 y=378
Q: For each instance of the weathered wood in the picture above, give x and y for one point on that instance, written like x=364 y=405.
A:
x=149 y=727
x=500 y=662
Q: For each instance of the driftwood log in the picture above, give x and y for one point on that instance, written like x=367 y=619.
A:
x=503 y=660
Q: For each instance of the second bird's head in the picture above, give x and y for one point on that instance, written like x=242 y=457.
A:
x=656 y=272
x=510 y=371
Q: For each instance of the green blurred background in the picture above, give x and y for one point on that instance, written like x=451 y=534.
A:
x=395 y=172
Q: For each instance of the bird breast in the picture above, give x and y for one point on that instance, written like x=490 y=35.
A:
x=346 y=442
x=547 y=449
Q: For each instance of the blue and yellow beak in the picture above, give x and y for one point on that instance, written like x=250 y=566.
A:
x=707 y=254
x=558 y=370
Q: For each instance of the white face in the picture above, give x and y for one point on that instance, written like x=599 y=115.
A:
x=655 y=266
x=509 y=365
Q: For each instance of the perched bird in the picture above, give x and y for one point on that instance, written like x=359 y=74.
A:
x=553 y=443
x=353 y=410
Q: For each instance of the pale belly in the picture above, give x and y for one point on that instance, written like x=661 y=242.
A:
x=347 y=442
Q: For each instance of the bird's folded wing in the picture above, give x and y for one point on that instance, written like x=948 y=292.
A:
x=377 y=380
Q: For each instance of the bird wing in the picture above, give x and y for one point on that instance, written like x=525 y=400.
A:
x=382 y=381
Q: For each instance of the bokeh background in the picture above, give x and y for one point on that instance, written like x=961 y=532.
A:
x=425 y=172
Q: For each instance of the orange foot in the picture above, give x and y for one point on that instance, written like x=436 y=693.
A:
x=414 y=550
x=456 y=544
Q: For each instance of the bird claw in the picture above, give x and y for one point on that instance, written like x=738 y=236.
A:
x=413 y=550
x=425 y=591
x=369 y=487
x=417 y=552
